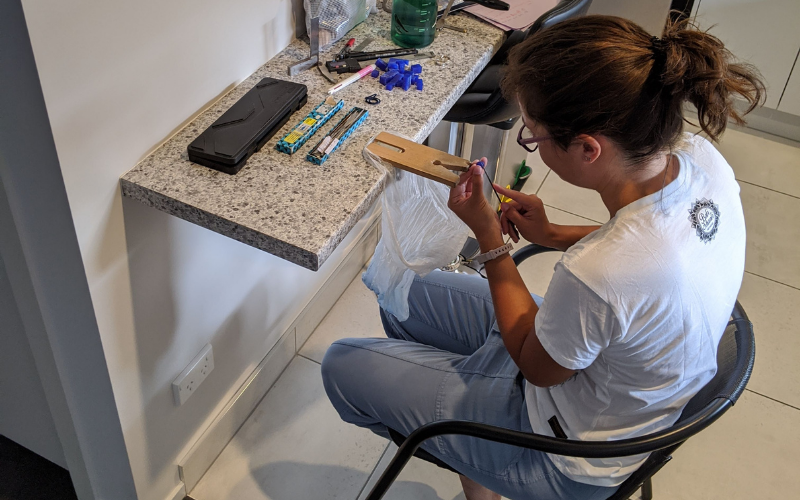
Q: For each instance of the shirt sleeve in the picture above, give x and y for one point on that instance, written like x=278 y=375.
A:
x=574 y=324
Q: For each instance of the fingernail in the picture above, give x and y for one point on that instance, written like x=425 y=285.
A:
x=504 y=206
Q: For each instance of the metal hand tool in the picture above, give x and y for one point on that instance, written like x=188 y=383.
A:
x=329 y=143
x=346 y=49
x=313 y=58
x=441 y=22
x=353 y=66
x=363 y=45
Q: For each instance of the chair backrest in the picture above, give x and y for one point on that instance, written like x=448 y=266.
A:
x=735 y=358
x=565 y=9
x=495 y=110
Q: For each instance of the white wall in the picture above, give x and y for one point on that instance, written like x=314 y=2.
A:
x=649 y=14
x=24 y=414
x=761 y=32
x=118 y=79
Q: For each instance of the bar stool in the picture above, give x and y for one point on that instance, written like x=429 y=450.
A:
x=483 y=104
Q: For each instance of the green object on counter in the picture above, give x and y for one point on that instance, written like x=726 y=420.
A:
x=413 y=22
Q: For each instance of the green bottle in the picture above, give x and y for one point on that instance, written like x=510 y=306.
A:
x=413 y=22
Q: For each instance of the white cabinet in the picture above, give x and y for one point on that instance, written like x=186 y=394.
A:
x=790 y=102
x=762 y=32
x=649 y=14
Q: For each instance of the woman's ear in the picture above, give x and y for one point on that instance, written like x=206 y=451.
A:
x=590 y=148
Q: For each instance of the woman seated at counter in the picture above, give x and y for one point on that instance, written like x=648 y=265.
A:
x=628 y=329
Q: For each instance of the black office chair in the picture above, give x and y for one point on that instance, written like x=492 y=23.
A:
x=735 y=358
x=483 y=102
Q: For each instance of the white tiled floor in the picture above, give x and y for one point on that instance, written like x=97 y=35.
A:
x=295 y=447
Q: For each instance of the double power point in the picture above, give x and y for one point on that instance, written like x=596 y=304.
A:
x=193 y=375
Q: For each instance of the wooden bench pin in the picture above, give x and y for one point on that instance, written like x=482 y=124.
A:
x=418 y=159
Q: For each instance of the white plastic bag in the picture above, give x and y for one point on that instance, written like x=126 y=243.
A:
x=419 y=234
x=336 y=17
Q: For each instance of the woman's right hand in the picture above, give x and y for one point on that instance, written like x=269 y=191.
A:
x=526 y=212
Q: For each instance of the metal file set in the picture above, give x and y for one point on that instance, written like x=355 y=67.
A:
x=320 y=115
x=301 y=132
x=323 y=149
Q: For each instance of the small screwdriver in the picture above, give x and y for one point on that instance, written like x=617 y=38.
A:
x=511 y=225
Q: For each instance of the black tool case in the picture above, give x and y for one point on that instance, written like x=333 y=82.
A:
x=247 y=125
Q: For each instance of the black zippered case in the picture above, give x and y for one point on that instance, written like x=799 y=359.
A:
x=247 y=125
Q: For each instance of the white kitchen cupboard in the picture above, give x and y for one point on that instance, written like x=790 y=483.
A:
x=765 y=33
x=790 y=102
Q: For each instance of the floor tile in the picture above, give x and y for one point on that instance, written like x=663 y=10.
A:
x=419 y=480
x=751 y=452
x=773 y=234
x=293 y=446
x=538 y=270
x=774 y=310
x=538 y=172
x=758 y=160
x=355 y=314
x=579 y=201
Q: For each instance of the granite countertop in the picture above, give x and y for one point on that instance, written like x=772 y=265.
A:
x=284 y=204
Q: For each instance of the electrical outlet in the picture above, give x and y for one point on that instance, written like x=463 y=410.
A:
x=193 y=375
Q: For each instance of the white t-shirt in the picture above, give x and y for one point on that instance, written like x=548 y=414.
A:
x=638 y=308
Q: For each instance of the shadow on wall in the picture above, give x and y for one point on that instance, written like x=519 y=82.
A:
x=288 y=480
x=299 y=18
x=190 y=287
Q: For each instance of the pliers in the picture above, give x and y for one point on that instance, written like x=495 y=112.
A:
x=346 y=49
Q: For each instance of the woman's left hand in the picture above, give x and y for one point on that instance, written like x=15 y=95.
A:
x=469 y=204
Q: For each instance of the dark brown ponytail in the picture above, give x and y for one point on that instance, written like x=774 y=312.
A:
x=606 y=75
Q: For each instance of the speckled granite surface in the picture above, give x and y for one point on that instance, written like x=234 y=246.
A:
x=284 y=204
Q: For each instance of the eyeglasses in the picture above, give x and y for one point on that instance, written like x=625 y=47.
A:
x=525 y=137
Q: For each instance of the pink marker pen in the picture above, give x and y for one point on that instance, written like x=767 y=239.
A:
x=358 y=76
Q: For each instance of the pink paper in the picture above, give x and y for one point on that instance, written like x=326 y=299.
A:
x=521 y=15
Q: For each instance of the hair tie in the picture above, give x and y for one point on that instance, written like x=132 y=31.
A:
x=657 y=45
x=659 y=48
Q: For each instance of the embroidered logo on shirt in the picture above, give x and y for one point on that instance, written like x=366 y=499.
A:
x=704 y=216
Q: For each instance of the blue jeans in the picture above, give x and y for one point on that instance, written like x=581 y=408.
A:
x=447 y=361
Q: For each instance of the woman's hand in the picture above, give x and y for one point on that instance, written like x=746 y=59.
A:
x=526 y=212
x=469 y=204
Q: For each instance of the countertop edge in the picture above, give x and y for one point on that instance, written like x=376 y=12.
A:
x=224 y=227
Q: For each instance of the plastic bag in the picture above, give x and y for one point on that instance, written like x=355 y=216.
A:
x=419 y=234
x=336 y=17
